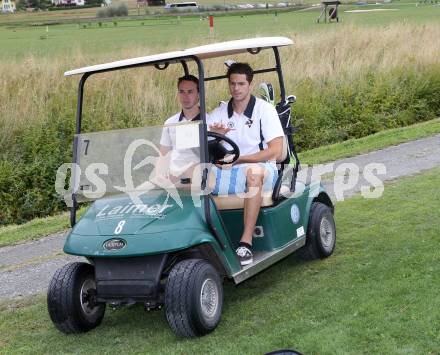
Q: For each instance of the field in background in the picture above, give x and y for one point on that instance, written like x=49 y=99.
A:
x=155 y=34
x=371 y=72
x=329 y=58
x=133 y=10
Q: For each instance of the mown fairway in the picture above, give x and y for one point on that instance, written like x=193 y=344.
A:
x=21 y=42
x=377 y=294
x=133 y=10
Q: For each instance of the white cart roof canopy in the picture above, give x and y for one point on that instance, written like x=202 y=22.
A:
x=202 y=52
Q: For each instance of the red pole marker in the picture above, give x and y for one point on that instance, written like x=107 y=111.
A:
x=211 y=25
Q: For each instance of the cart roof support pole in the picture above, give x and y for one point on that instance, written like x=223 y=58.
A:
x=185 y=67
x=280 y=74
x=75 y=144
x=204 y=154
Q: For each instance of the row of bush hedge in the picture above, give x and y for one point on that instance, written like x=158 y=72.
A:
x=113 y=11
x=326 y=112
x=72 y=7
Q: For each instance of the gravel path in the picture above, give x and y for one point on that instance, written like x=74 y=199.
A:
x=26 y=269
x=401 y=160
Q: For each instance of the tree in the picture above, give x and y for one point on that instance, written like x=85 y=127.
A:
x=21 y=4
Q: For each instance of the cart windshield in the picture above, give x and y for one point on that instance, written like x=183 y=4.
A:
x=138 y=160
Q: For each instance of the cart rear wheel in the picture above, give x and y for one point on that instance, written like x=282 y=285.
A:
x=193 y=298
x=71 y=299
x=321 y=233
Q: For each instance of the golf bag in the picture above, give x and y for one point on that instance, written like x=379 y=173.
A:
x=284 y=111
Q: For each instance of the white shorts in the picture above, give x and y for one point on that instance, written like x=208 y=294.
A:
x=233 y=181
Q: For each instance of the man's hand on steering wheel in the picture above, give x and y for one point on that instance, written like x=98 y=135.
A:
x=218 y=152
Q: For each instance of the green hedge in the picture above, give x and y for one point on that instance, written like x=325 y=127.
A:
x=327 y=111
x=333 y=112
x=73 y=7
x=27 y=171
x=113 y=11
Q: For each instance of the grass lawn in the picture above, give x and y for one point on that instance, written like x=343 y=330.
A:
x=40 y=227
x=35 y=229
x=88 y=37
x=376 y=295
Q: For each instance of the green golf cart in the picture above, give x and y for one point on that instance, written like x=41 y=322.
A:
x=169 y=243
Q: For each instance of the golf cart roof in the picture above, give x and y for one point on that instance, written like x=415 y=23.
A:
x=203 y=52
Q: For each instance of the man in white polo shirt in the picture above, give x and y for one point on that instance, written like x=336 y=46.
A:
x=180 y=161
x=253 y=124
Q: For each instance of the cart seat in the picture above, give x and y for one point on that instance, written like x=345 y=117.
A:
x=285 y=151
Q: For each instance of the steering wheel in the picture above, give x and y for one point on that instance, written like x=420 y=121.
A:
x=217 y=150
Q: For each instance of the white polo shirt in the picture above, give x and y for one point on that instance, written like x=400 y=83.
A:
x=257 y=125
x=180 y=159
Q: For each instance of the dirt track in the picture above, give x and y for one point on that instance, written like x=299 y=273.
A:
x=26 y=269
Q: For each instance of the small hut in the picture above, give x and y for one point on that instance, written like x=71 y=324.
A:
x=330 y=8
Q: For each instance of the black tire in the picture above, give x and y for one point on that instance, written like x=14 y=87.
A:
x=183 y=298
x=70 y=299
x=321 y=233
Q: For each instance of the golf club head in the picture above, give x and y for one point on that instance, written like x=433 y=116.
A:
x=229 y=62
x=267 y=92
x=291 y=99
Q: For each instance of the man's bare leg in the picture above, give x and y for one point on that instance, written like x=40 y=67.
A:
x=252 y=204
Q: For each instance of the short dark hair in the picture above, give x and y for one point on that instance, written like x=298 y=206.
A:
x=188 y=77
x=241 y=68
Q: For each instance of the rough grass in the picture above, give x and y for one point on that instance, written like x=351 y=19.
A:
x=34 y=90
x=375 y=295
x=37 y=228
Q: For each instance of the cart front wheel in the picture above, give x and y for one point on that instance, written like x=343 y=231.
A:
x=321 y=233
x=193 y=298
x=71 y=299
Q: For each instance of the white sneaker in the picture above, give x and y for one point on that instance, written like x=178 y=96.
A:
x=244 y=255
